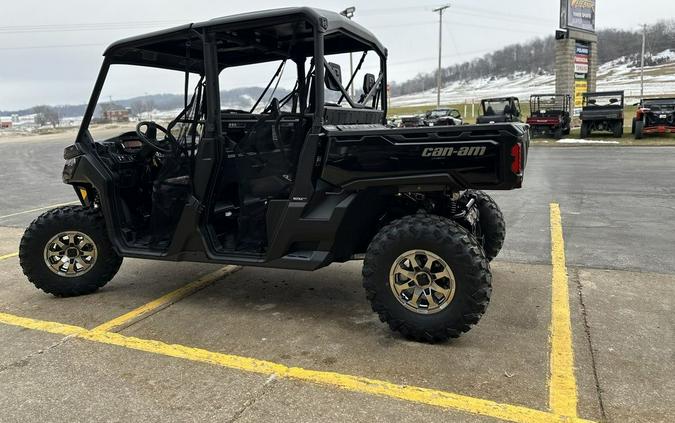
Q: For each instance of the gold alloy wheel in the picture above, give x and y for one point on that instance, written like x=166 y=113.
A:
x=422 y=281
x=70 y=254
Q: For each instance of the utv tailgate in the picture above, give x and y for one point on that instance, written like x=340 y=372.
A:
x=457 y=157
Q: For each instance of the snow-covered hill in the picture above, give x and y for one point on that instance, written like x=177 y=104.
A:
x=619 y=74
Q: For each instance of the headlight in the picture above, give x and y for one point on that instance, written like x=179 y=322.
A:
x=69 y=169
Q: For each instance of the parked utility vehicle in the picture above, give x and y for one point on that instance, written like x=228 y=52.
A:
x=654 y=116
x=499 y=110
x=602 y=112
x=297 y=183
x=549 y=115
x=443 y=117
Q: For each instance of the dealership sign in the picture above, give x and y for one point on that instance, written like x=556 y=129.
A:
x=580 y=68
x=578 y=14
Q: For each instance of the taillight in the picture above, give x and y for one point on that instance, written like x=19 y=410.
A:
x=517 y=154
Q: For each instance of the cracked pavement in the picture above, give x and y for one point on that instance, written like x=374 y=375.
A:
x=615 y=204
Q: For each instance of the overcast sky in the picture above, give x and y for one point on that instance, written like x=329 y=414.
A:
x=50 y=51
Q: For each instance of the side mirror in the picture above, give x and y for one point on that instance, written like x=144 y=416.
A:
x=331 y=82
x=368 y=83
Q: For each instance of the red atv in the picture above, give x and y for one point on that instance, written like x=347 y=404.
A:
x=654 y=116
x=549 y=115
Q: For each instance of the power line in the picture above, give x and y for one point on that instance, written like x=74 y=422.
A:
x=82 y=26
x=52 y=46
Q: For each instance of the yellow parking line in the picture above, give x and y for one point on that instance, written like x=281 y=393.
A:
x=166 y=300
x=39 y=209
x=6 y=256
x=448 y=400
x=562 y=386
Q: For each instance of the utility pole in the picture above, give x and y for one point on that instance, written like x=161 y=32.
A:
x=642 y=62
x=440 y=11
x=349 y=14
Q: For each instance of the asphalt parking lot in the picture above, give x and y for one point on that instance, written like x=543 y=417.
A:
x=579 y=327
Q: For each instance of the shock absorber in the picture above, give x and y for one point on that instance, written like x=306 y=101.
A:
x=452 y=203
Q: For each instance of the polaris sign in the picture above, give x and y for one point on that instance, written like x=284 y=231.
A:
x=578 y=14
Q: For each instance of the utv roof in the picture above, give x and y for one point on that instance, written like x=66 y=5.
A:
x=659 y=100
x=603 y=93
x=500 y=98
x=247 y=38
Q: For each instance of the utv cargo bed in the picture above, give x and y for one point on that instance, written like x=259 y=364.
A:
x=419 y=159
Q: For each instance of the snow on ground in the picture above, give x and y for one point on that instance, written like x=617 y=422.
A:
x=575 y=141
x=617 y=75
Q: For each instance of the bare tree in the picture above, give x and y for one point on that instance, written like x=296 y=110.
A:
x=46 y=115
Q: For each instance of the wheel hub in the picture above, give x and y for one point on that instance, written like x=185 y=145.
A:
x=70 y=254
x=423 y=279
x=422 y=282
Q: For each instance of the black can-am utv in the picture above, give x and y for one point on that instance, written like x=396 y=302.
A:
x=296 y=182
x=602 y=112
x=499 y=110
x=549 y=115
x=654 y=116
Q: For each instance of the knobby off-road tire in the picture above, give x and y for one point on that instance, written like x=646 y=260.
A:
x=617 y=131
x=492 y=224
x=455 y=247
x=567 y=130
x=585 y=130
x=79 y=233
x=639 y=127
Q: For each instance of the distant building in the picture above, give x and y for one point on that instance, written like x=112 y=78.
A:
x=116 y=115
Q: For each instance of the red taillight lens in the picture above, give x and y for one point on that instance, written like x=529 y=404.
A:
x=517 y=154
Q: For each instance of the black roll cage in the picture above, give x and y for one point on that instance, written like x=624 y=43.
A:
x=322 y=23
x=619 y=104
x=194 y=49
x=535 y=102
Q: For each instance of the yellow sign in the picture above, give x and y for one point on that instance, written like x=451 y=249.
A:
x=580 y=87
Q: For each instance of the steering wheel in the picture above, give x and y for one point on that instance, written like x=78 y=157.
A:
x=149 y=137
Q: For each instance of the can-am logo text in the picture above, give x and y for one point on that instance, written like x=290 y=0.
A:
x=453 y=151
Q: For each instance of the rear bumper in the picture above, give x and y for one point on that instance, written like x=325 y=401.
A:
x=660 y=129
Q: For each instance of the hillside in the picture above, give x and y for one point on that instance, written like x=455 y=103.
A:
x=235 y=98
x=620 y=74
x=536 y=58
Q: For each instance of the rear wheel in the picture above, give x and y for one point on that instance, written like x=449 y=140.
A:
x=639 y=127
x=632 y=127
x=617 y=130
x=427 y=278
x=492 y=224
x=558 y=133
x=585 y=129
x=66 y=252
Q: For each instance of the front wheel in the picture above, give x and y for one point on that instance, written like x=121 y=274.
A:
x=66 y=252
x=427 y=278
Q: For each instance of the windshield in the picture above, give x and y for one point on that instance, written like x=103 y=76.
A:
x=439 y=113
x=660 y=106
x=497 y=107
